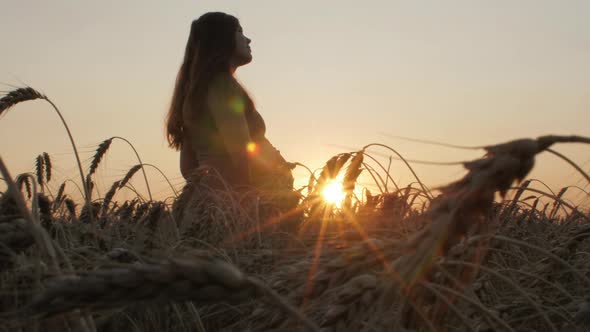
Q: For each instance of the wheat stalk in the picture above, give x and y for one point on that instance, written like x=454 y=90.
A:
x=405 y=161
x=556 y=203
x=129 y=175
x=164 y=176
x=352 y=173
x=108 y=197
x=386 y=170
x=147 y=184
x=503 y=164
x=71 y=206
x=41 y=237
x=102 y=150
x=24 y=94
x=330 y=171
x=556 y=199
x=89 y=186
x=462 y=207
x=516 y=198
x=15 y=236
x=60 y=195
x=467 y=199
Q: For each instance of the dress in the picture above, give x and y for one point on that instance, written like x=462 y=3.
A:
x=260 y=165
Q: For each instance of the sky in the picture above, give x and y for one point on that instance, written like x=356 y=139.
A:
x=327 y=76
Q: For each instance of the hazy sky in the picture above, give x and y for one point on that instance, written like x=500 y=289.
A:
x=327 y=76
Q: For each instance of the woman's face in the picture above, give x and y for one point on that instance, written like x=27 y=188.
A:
x=242 y=53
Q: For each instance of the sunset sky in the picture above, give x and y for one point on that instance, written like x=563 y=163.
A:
x=327 y=76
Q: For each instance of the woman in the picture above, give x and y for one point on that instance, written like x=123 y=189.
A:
x=212 y=119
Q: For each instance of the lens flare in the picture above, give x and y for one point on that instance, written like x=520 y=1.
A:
x=252 y=148
x=237 y=104
x=333 y=193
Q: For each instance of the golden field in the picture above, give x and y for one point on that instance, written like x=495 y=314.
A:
x=484 y=253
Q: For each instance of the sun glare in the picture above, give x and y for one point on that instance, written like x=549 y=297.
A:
x=333 y=193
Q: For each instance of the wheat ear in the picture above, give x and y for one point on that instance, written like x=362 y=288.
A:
x=129 y=175
x=40 y=170
x=23 y=94
x=23 y=181
x=147 y=184
x=18 y=96
x=198 y=279
x=465 y=201
x=41 y=237
x=352 y=173
x=108 y=197
x=102 y=149
x=60 y=195
x=47 y=162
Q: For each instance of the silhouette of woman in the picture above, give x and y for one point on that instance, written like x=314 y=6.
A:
x=212 y=119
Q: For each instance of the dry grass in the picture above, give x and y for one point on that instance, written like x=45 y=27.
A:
x=215 y=259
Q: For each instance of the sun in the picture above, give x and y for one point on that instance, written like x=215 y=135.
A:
x=333 y=193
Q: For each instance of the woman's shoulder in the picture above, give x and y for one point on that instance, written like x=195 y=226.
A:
x=223 y=84
x=225 y=92
x=220 y=87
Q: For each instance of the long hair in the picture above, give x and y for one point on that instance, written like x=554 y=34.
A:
x=210 y=46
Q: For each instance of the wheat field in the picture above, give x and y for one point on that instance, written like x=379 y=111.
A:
x=487 y=252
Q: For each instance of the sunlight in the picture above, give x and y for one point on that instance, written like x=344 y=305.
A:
x=333 y=193
x=252 y=148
